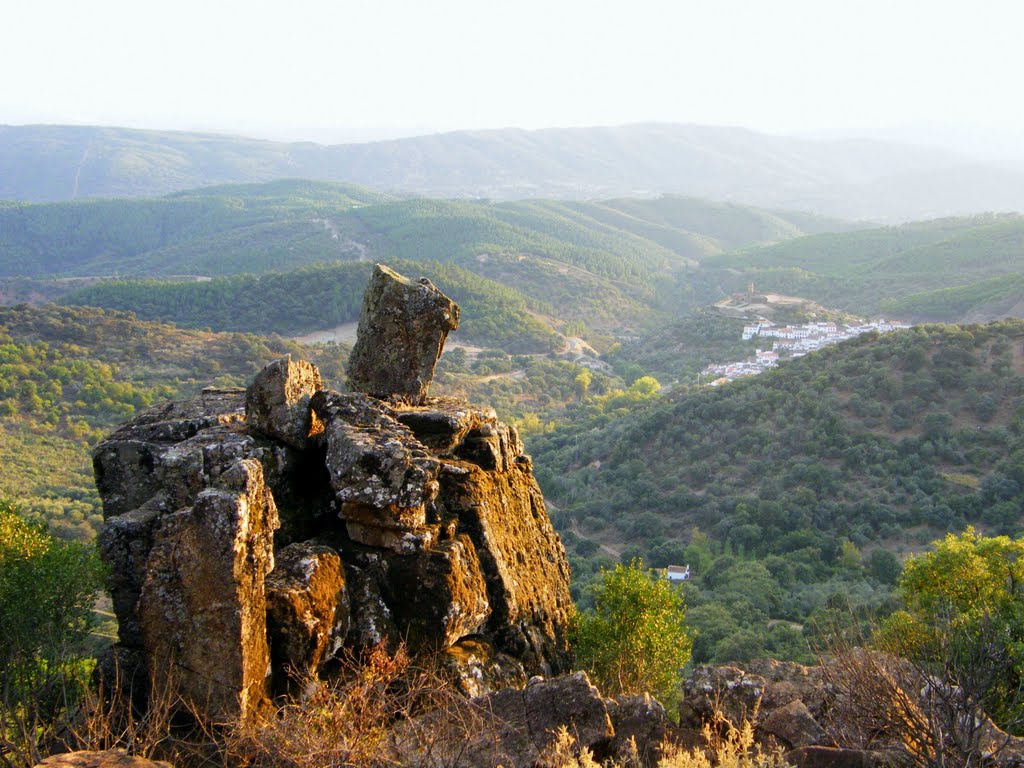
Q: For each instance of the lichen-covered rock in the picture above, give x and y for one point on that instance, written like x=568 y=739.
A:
x=441 y=594
x=277 y=401
x=734 y=692
x=202 y=608
x=402 y=330
x=418 y=522
x=794 y=726
x=307 y=608
x=478 y=669
x=521 y=558
x=383 y=478
x=144 y=457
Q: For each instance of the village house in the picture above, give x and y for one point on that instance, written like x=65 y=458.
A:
x=678 y=573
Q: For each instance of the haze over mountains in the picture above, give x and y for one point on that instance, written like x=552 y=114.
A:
x=853 y=179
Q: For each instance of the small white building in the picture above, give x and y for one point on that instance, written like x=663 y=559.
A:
x=678 y=573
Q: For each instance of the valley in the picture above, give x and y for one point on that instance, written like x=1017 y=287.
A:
x=591 y=326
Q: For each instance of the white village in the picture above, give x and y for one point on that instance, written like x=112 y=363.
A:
x=789 y=342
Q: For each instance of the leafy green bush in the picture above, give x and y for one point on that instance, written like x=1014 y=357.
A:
x=47 y=590
x=964 y=620
x=635 y=639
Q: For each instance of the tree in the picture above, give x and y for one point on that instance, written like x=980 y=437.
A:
x=582 y=383
x=964 y=620
x=47 y=590
x=635 y=640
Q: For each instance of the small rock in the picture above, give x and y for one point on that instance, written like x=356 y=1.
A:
x=277 y=401
x=794 y=725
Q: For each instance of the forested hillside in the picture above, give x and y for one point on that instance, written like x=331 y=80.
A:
x=605 y=265
x=851 y=178
x=322 y=296
x=943 y=270
x=801 y=479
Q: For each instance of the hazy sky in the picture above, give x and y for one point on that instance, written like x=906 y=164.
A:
x=352 y=70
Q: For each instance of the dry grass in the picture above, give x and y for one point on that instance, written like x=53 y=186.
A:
x=383 y=710
x=726 y=746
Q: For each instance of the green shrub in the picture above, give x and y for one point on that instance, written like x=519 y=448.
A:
x=635 y=639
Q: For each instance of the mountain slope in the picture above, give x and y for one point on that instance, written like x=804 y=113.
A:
x=862 y=440
x=849 y=179
x=947 y=269
x=608 y=265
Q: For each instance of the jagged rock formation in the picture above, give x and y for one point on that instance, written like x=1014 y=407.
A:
x=252 y=535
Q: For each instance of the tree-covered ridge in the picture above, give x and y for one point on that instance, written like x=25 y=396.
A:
x=607 y=265
x=781 y=488
x=103 y=237
x=168 y=235
x=323 y=296
x=947 y=269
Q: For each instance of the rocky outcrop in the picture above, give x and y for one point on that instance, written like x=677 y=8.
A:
x=402 y=330
x=253 y=535
x=513 y=727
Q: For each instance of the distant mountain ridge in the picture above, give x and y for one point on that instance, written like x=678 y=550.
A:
x=859 y=179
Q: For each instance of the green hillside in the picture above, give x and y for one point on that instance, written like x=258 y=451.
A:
x=947 y=269
x=803 y=473
x=605 y=265
x=323 y=296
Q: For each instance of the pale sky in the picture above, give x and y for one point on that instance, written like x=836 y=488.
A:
x=337 y=71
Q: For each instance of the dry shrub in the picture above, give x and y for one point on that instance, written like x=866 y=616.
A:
x=382 y=710
x=890 y=704
x=564 y=752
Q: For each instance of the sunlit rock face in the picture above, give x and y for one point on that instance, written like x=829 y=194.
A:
x=253 y=536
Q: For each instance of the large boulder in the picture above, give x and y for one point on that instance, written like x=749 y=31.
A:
x=401 y=334
x=277 y=401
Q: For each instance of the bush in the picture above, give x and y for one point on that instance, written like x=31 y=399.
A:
x=47 y=590
x=635 y=639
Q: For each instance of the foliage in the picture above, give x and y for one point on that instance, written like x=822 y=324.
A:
x=964 y=618
x=47 y=589
x=879 y=443
x=635 y=639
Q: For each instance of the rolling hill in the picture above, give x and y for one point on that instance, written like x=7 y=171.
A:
x=606 y=264
x=951 y=270
x=851 y=179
